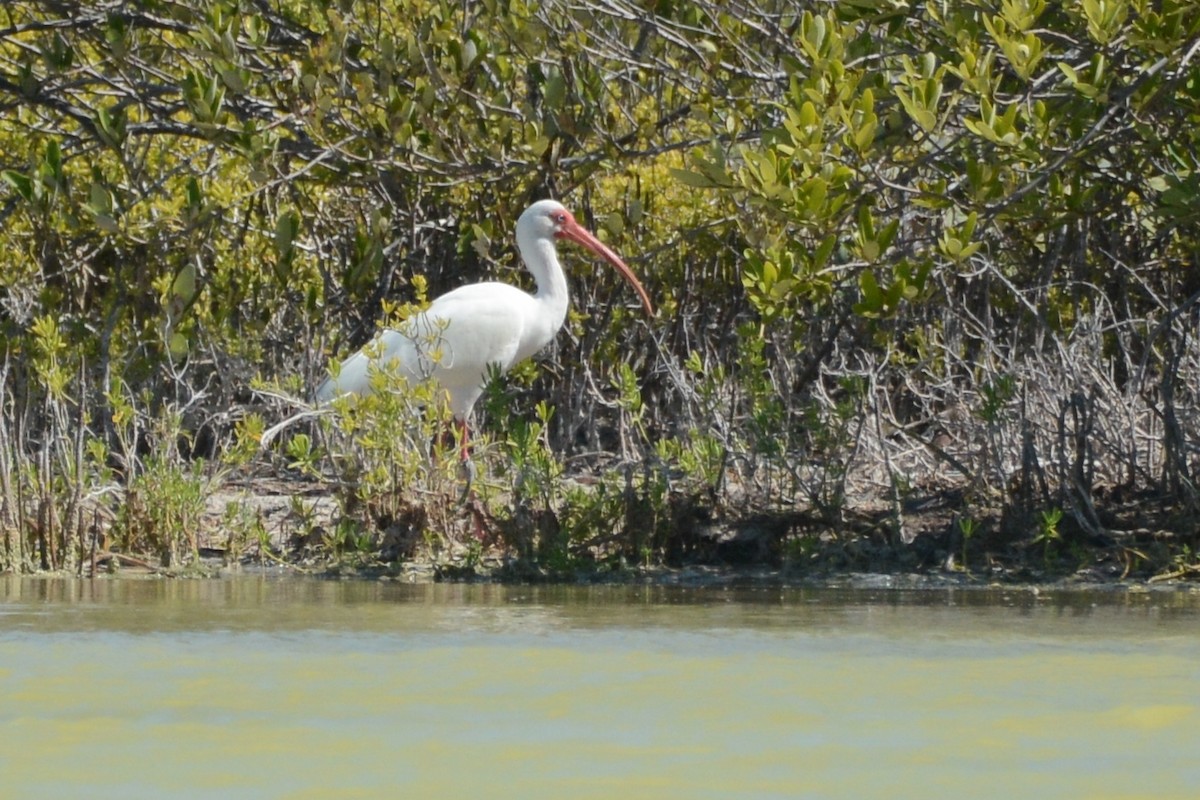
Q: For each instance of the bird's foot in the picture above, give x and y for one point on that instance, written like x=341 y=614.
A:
x=479 y=522
x=467 y=471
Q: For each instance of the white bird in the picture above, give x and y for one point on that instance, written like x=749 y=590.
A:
x=468 y=331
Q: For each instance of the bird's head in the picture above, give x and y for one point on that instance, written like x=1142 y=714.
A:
x=549 y=219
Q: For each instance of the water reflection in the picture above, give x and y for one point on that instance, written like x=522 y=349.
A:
x=262 y=686
x=269 y=603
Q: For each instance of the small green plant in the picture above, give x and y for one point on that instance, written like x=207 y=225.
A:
x=473 y=556
x=246 y=444
x=1048 y=530
x=968 y=527
x=244 y=527
x=587 y=515
x=162 y=510
x=394 y=457
x=1183 y=564
x=305 y=530
x=533 y=462
x=997 y=394
x=629 y=401
x=303 y=455
x=1048 y=534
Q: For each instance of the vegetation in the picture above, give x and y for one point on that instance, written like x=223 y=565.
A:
x=927 y=273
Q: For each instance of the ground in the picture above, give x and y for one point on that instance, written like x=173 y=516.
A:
x=284 y=523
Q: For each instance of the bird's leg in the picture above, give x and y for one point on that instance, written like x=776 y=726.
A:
x=468 y=499
x=465 y=463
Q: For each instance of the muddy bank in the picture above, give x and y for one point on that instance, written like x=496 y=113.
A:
x=292 y=523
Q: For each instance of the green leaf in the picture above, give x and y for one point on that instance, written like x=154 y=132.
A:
x=1081 y=86
x=286 y=228
x=821 y=255
x=554 y=91
x=195 y=199
x=872 y=294
x=99 y=200
x=693 y=179
x=184 y=287
x=110 y=126
x=100 y=204
x=20 y=182
x=817 y=190
x=866 y=223
x=178 y=345
x=54 y=159
x=919 y=114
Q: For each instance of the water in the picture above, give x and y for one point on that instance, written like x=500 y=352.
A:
x=294 y=688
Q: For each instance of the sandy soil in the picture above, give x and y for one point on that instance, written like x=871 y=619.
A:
x=291 y=520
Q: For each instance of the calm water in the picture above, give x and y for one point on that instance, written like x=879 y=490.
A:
x=294 y=688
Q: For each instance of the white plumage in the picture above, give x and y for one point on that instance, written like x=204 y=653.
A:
x=466 y=331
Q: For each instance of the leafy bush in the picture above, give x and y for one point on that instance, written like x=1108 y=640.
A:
x=896 y=250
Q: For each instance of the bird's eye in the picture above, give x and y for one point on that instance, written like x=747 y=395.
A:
x=560 y=218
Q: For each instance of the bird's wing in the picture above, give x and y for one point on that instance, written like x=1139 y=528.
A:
x=390 y=349
x=477 y=326
x=455 y=341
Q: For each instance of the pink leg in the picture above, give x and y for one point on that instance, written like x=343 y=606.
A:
x=465 y=451
x=468 y=496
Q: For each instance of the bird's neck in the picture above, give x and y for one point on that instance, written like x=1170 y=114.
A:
x=541 y=259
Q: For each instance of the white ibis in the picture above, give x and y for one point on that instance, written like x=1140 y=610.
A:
x=465 y=332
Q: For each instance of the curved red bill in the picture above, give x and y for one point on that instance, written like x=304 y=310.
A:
x=580 y=235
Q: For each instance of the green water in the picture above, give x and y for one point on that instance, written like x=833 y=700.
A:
x=295 y=688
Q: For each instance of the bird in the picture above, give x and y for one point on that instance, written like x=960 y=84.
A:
x=470 y=331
